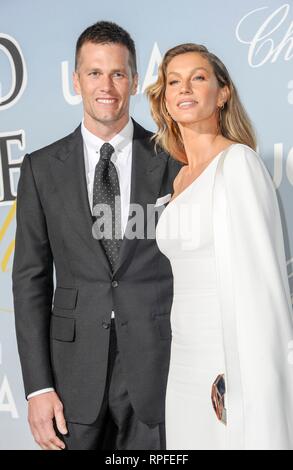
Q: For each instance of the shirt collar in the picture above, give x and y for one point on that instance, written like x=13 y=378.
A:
x=119 y=141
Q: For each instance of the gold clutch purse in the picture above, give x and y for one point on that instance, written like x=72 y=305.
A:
x=218 y=398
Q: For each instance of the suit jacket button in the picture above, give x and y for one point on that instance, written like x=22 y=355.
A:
x=105 y=325
x=115 y=283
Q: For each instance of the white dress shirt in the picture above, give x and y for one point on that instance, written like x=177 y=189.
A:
x=122 y=159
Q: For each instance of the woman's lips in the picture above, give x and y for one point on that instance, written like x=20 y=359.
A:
x=186 y=104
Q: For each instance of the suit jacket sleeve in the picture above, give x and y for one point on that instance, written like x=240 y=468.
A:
x=32 y=278
x=256 y=305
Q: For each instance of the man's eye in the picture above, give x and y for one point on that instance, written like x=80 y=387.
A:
x=118 y=74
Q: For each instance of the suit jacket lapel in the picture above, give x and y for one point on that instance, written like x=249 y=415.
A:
x=68 y=171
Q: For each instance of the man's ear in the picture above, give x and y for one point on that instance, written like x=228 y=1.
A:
x=134 y=84
x=76 y=84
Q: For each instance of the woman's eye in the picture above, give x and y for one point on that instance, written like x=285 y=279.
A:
x=199 y=77
x=173 y=82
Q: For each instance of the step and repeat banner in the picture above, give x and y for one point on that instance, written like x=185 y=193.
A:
x=254 y=38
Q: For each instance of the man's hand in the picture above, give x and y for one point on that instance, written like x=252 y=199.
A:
x=42 y=409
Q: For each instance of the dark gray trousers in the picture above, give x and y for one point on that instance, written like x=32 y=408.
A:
x=117 y=427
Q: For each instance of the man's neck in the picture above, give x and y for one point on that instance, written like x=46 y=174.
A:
x=106 y=131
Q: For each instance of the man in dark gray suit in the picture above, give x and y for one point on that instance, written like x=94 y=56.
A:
x=95 y=365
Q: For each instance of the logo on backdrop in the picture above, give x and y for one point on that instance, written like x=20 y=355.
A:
x=7 y=402
x=9 y=168
x=12 y=50
x=273 y=38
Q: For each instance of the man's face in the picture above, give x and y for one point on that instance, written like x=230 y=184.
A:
x=104 y=80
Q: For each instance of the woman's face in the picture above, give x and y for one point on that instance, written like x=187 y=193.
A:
x=192 y=91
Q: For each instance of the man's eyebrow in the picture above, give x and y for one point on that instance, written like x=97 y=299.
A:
x=97 y=69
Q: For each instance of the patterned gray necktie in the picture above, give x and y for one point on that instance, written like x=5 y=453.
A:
x=105 y=191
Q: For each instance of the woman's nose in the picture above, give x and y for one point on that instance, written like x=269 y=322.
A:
x=186 y=87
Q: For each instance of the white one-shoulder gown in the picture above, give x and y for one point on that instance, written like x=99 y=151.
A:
x=231 y=310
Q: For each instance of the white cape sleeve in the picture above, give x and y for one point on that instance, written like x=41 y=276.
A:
x=255 y=301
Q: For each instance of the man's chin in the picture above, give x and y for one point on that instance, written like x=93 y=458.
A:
x=107 y=119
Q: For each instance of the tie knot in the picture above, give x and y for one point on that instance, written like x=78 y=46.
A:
x=106 y=151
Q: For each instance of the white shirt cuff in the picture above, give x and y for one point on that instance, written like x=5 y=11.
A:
x=39 y=392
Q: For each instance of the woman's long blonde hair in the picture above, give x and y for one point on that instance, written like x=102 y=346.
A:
x=234 y=123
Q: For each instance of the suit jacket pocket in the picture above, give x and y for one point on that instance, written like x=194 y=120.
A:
x=164 y=325
x=62 y=328
x=65 y=297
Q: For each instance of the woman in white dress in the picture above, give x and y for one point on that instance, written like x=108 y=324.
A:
x=230 y=383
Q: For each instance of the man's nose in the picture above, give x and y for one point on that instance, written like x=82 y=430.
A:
x=106 y=83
